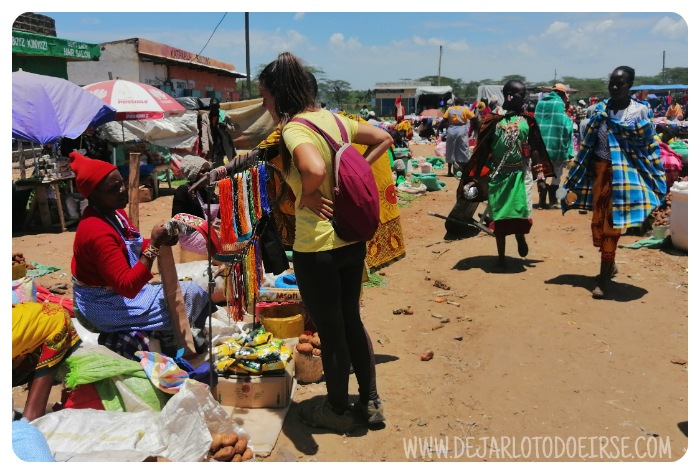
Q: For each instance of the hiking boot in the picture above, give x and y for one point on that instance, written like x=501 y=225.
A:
x=322 y=415
x=371 y=413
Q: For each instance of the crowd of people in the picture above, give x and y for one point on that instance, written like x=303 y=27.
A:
x=602 y=155
x=616 y=174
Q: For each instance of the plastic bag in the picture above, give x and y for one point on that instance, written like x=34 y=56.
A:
x=23 y=290
x=181 y=432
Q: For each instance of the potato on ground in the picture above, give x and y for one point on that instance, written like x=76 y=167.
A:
x=225 y=454
x=216 y=442
x=230 y=439
x=241 y=446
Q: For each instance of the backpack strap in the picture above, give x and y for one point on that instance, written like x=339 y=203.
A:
x=333 y=144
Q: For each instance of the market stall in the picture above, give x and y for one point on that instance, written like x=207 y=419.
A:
x=44 y=110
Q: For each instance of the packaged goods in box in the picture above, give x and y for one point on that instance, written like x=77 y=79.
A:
x=257 y=391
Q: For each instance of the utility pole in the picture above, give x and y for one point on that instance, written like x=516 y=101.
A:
x=247 y=54
x=555 y=75
x=439 y=66
x=663 y=68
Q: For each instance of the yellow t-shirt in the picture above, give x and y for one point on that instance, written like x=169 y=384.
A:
x=458 y=115
x=312 y=233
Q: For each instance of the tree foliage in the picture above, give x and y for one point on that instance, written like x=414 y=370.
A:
x=338 y=92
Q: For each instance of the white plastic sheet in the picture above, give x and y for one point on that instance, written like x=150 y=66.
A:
x=181 y=432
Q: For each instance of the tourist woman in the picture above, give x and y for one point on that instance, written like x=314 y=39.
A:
x=328 y=269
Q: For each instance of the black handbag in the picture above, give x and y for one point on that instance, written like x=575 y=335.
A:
x=274 y=256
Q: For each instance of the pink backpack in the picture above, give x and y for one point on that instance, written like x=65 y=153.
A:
x=355 y=194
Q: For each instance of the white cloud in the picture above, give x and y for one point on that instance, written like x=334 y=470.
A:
x=605 y=25
x=459 y=46
x=558 y=28
x=670 y=29
x=299 y=16
x=417 y=40
x=337 y=41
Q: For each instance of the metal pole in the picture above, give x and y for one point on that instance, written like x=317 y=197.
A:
x=210 y=291
x=663 y=68
x=440 y=67
x=247 y=54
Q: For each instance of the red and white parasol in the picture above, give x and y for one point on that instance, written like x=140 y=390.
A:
x=135 y=100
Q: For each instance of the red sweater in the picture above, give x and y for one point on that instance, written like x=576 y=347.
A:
x=100 y=257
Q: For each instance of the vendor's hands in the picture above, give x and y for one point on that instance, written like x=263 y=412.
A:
x=317 y=204
x=160 y=236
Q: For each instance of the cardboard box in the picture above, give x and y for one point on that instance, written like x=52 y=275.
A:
x=257 y=391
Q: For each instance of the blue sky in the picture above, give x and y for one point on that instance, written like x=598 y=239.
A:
x=365 y=48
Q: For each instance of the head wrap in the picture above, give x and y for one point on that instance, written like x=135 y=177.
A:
x=582 y=102
x=88 y=172
x=481 y=106
x=191 y=165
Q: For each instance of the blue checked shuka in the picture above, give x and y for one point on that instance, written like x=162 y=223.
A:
x=639 y=179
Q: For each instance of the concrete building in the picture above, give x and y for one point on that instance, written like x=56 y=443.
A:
x=175 y=71
x=385 y=94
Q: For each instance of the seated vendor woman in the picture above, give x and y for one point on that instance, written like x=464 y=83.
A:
x=112 y=264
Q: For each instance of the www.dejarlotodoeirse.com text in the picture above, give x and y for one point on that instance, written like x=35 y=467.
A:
x=504 y=448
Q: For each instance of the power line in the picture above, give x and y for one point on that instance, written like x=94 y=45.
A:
x=210 y=37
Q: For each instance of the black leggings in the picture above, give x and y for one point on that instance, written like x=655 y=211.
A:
x=330 y=283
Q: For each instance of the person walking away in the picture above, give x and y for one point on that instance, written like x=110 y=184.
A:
x=328 y=269
x=617 y=173
x=511 y=152
x=557 y=132
x=459 y=118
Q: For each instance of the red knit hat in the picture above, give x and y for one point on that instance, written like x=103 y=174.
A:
x=88 y=172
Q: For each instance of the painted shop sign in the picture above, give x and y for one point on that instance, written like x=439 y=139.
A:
x=41 y=45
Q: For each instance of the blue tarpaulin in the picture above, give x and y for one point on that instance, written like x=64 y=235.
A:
x=660 y=87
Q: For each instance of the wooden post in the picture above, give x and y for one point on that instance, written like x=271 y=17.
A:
x=134 y=197
x=22 y=164
x=59 y=204
x=175 y=302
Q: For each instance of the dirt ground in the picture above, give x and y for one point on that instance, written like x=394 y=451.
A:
x=526 y=366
